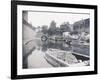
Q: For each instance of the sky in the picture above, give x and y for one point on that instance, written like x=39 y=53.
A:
x=45 y=18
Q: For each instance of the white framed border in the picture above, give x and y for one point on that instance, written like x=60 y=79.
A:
x=21 y=71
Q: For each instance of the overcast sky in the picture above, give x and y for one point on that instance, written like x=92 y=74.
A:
x=45 y=18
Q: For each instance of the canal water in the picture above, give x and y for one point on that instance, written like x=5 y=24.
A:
x=36 y=58
x=75 y=46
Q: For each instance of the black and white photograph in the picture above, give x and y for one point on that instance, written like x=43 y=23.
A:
x=54 y=39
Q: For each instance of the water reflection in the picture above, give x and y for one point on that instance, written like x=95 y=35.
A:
x=55 y=45
x=62 y=45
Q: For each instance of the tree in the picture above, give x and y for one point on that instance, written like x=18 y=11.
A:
x=52 y=28
x=53 y=25
x=44 y=29
x=65 y=27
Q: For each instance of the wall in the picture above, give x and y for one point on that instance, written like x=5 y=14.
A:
x=5 y=41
